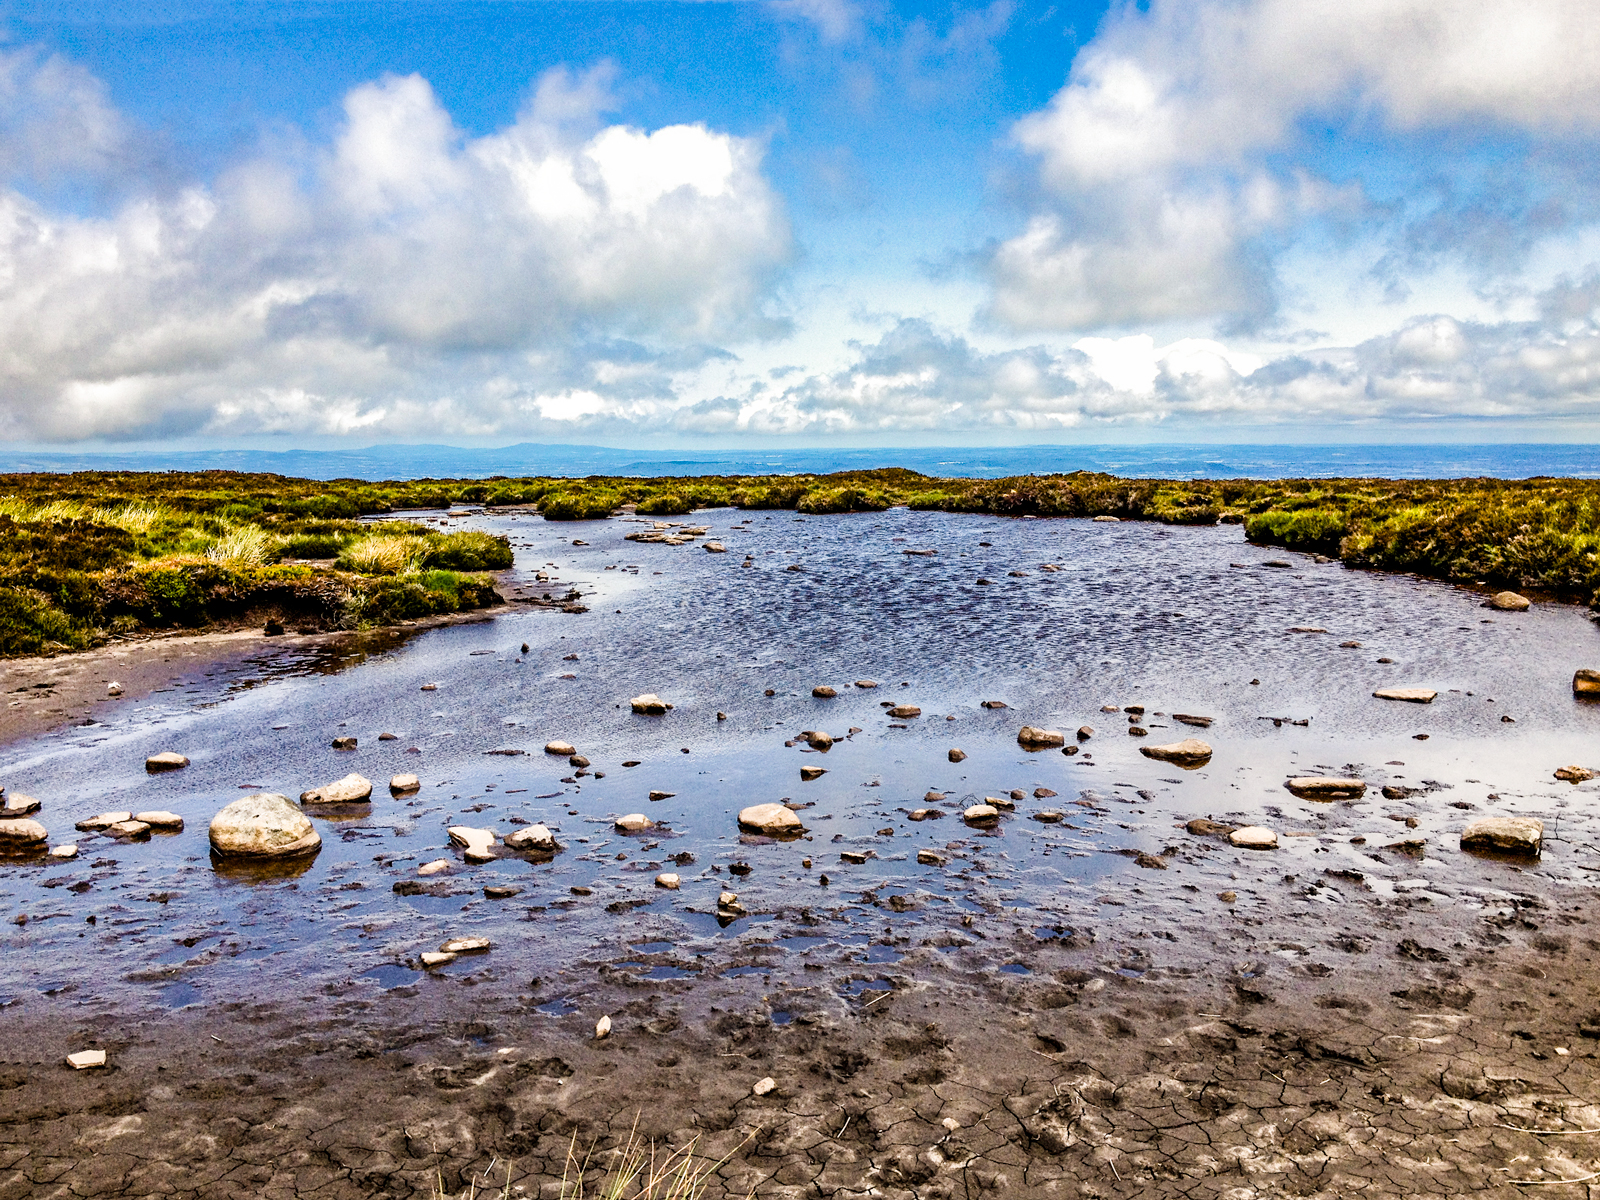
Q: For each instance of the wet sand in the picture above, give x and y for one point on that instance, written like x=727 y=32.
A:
x=1078 y=1000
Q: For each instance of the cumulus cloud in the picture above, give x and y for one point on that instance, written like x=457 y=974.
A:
x=406 y=278
x=1164 y=150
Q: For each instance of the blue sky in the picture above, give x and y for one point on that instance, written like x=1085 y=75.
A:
x=798 y=221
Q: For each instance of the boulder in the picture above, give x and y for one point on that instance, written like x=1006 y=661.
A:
x=981 y=814
x=1191 y=752
x=1508 y=602
x=1574 y=774
x=531 y=837
x=1323 y=787
x=160 y=819
x=807 y=774
x=1412 y=695
x=404 y=785
x=263 y=825
x=560 y=749
x=634 y=823
x=823 y=692
x=22 y=835
x=1254 y=837
x=103 y=821
x=650 y=704
x=957 y=755
x=352 y=789
x=905 y=710
x=1032 y=737
x=478 y=843
x=578 y=760
x=773 y=820
x=165 y=761
x=18 y=805
x=1585 y=682
x=1505 y=835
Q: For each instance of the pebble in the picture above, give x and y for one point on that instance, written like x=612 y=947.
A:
x=649 y=704
x=478 y=843
x=823 y=692
x=434 y=867
x=905 y=710
x=21 y=833
x=84 y=1059
x=764 y=1086
x=1505 y=835
x=18 y=805
x=560 y=749
x=263 y=825
x=981 y=814
x=1191 y=752
x=1254 y=837
x=1508 y=602
x=402 y=785
x=1322 y=787
x=1414 y=695
x=1586 y=682
x=1030 y=737
x=166 y=822
x=634 y=823
x=772 y=819
x=668 y=880
x=167 y=761
x=602 y=1029
x=352 y=789
x=957 y=755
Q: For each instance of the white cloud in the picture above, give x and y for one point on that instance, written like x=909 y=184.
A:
x=384 y=281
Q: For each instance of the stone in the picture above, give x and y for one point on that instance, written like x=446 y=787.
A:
x=856 y=857
x=866 y=683
x=1412 y=695
x=634 y=823
x=388 y=737
x=1004 y=803
x=1191 y=719
x=668 y=880
x=1108 y=520
x=1085 y=732
x=65 y=851
x=1138 y=731
x=18 y=805
x=1049 y=816
x=434 y=867
x=807 y=774
x=905 y=710
x=657 y=795
x=1505 y=835
x=1191 y=752
x=352 y=789
x=343 y=743
x=84 y=1059
x=263 y=825
x=501 y=891
x=930 y=858
x=729 y=902
x=602 y=1029
x=1254 y=837
x=716 y=548
x=1586 y=682
x=763 y=1086
x=818 y=740
x=531 y=837
x=981 y=814
x=995 y=704
x=578 y=760
x=1043 y=793
x=650 y=704
x=1201 y=827
x=1508 y=602
x=113 y=688
x=128 y=829
x=1323 y=787
x=823 y=692
x=102 y=821
x=429 y=687
x=436 y=958
x=1574 y=774
x=22 y=834
x=957 y=755
x=773 y=820
x=1032 y=737
x=466 y=945
x=560 y=749
x=165 y=761
x=478 y=843
x=404 y=785
x=160 y=819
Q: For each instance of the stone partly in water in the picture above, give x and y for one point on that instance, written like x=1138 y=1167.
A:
x=1032 y=737
x=263 y=825
x=716 y=548
x=161 y=821
x=818 y=740
x=1413 y=695
x=166 y=761
x=1189 y=753
x=1322 y=787
x=560 y=749
x=478 y=843
x=1191 y=719
x=1505 y=835
x=634 y=823
x=823 y=692
x=467 y=945
x=668 y=880
x=1585 y=682
x=102 y=821
x=436 y=958
x=981 y=814
x=774 y=820
x=807 y=774
x=1085 y=732
x=352 y=789
x=1574 y=774
x=128 y=829
x=1508 y=602
x=905 y=710
x=64 y=851
x=435 y=867
x=957 y=755
x=930 y=858
x=532 y=838
x=343 y=743
x=18 y=805
x=1254 y=837
x=404 y=785
x=22 y=835
x=650 y=704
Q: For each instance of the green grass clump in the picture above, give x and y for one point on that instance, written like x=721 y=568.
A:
x=1315 y=530
x=321 y=545
x=31 y=624
x=468 y=550
x=382 y=554
x=663 y=504
x=844 y=500
x=579 y=506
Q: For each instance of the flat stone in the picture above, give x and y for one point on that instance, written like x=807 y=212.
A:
x=436 y=958
x=1413 y=695
x=773 y=820
x=560 y=749
x=716 y=548
x=866 y=683
x=1324 y=787
x=856 y=857
x=823 y=692
x=401 y=785
x=1509 y=602
x=1201 y=827
x=1004 y=803
x=1108 y=520
x=352 y=789
x=531 y=837
x=763 y=1086
x=429 y=687
x=1586 y=682
x=809 y=773
x=650 y=705
x=1505 y=835
x=103 y=821
x=501 y=891
x=166 y=822
x=434 y=867
x=728 y=900
x=1574 y=774
x=905 y=710
x=165 y=761
x=1192 y=719
x=1032 y=737
x=930 y=858
x=466 y=945
x=1254 y=837
x=64 y=851
x=981 y=814
x=634 y=823
x=658 y=795
x=263 y=825
x=18 y=805
x=84 y=1059
x=128 y=829
x=478 y=843
x=668 y=880
x=22 y=833
x=1191 y=752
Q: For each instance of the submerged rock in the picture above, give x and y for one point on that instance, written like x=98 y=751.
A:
x=165 y=761
x=1413 y=695
x=263 y=825
x=1033 y=737
x=1322 y=787
x=1505 y=835
x=774 y=820
x=352 y=789
x=1191 y=752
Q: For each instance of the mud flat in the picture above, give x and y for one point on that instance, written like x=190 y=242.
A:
x=1098 y=993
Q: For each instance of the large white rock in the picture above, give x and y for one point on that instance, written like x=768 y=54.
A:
x=1414 y=695
x=1031 y=736
x=478 y=843
x=263 y=825
x=352 y=789
x=22 y=834
x=634 y=823
x=18 y=805
x=560 y=749
x=531 y=837
x=404 y=785
x=772 y=819
x=1505 y=835
x=981 y=814
x=1191 y=752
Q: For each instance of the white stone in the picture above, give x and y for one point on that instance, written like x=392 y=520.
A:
x=103 y=821
x=478 y=843
x=1324 y=787
x=602 y=1029
x=434 y=867
x=166 y=822
x=84 y=1059
x=466 y=945
x=772 y=819
x=1414 y=695
x=166 y=761
x=1254 y=837
x=764 y=1086
x=352 y=789
x=113 y=688
x=1505 y=835
x=668 y=880
x=22 y=834
x=650 y=704
x=263 y=825
x=560 y=749
x=531 y=837
x=64 y=851
x=18 y=805
x=981 y=814
x=401 y=785
x=436 y=958
x=1191 y=752
x=634 y=823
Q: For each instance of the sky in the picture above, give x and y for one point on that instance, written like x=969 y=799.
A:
x=798 y=222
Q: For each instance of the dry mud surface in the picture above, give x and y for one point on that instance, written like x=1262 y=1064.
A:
x=1110 y=1005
